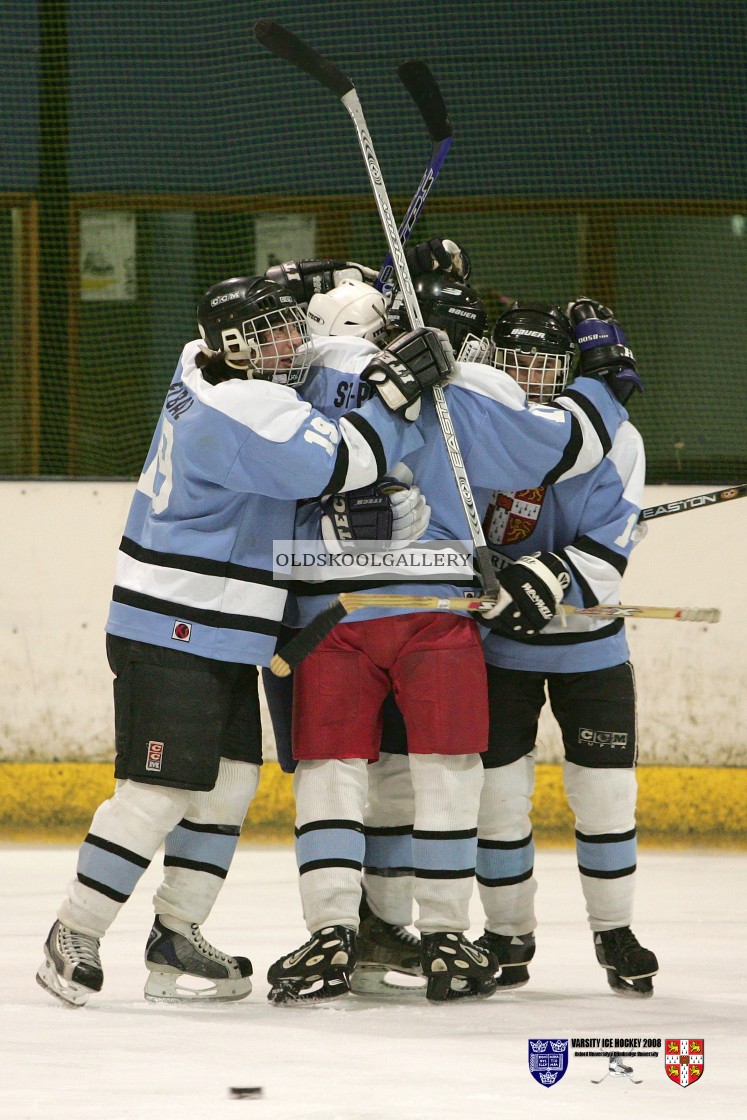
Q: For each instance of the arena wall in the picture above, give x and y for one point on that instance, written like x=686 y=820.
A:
x=57 y=552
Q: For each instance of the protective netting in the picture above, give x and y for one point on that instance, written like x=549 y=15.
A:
x=151 y=149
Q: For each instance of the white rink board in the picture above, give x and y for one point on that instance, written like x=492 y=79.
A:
x=57 y=554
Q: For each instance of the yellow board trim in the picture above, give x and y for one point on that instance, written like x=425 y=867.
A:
x=54 y=802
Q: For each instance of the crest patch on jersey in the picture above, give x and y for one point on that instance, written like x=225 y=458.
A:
x=182 y=631
x=512 y=516
x=155 y=756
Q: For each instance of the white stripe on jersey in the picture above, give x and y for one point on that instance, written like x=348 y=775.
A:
x=362 y=466
x=274 y=412
x=487 y=381
x=628 y=455
x=191 y=589
x=592 y=451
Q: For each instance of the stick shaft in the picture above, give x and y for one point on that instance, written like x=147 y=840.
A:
x=697 y=501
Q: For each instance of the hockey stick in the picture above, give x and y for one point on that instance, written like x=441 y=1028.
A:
x=310 y=636
x=698 y=500
x=286 y=45
x=423 y=89
x=601 y=1079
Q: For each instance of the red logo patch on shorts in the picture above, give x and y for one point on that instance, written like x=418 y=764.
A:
x=155 y=755
x=182 y=631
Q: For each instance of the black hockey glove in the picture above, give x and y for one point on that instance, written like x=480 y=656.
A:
x=303 y=279
x=391 y=512
x=531 y=589
x=415 y=361
x=603 y=346
x=437 y=253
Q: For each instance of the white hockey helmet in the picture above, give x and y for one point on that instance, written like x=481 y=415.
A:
x=352 y=308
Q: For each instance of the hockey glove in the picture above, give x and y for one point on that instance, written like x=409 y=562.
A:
x=389 y=513
x=603 y=346
x=531 y=589
x=303 y=279
x=415 y=361
x=436 y=253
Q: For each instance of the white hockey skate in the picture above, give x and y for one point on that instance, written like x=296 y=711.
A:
x=185 y=968
x=71 y=970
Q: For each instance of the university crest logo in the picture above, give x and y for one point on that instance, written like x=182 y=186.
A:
x=548 y=1060
x=684 y=1060
x=512 y=516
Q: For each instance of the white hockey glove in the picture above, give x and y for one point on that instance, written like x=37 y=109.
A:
x=415 y=361
x=391 y=513
x=531 y=590
x=303 y=279
x=438 y=253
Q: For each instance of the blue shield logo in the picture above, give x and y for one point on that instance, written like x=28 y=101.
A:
x=548 y=1060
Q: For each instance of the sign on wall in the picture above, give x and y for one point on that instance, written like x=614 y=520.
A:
x=283 y=237
x=107 y=256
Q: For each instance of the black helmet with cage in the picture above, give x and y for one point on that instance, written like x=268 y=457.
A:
x=534 y=343
x=257 y=328
x=448 y=303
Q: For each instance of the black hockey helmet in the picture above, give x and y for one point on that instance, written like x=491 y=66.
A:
x=448 y=303
x=258 y=327
x=534 y=343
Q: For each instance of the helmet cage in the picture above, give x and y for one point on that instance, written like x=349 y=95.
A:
x=258 y=328
x=534 y=344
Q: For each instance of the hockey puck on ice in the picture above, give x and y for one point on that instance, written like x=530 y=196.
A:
x=240 y=1092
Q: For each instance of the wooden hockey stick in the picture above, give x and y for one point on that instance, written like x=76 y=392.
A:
x=423 y=89
x=696 y=502
x=310 y=636
x=288 y=46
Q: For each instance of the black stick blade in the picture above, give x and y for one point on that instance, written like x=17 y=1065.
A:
x=307 y=639
x=288 y=46
x=423 y=89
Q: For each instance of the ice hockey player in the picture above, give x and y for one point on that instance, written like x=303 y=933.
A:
x=588 y=522
x=334 y=739
x=195 y=610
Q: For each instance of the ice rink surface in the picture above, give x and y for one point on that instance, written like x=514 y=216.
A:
x=362 y=1059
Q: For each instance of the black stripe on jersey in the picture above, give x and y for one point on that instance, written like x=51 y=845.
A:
x=571 y=639
x=607 y=837
x=505 y=845
x=460 y=834
x=588 y=597
x=318 y=864
x=94 y=885
x=200 y=565
x=508 y=881
x=340 y=472
x=214 y=829
x=195 y=865
x=116 y=850
x=569 y=456
x=335 y=586
x=592 y=415
x=371 y=436
x=196 y=614
x=444 y=873
x=592 y=874
x=312 y=826
x=602 y=552
x=393 y=830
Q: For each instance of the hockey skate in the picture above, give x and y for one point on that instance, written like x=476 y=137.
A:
x=456 y=969
x=318 y=970
x=629 y=966
x=71 y=969
x=385 y=948
x=513 y=953
x=185 y=968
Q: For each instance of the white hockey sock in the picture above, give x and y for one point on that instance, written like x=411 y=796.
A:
x=444 y=840
x=388 y=817
x=199 y=851
x=330 y=796
x=604 y=804
x=505 y=848
x=125 y=833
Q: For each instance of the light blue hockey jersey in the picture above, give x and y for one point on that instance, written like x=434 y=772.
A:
x=225 y=468
x=500 y=438
x=590 y=522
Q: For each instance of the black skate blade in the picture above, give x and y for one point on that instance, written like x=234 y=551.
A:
x=309 y=991
x=440 y=989
x=642 y=987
